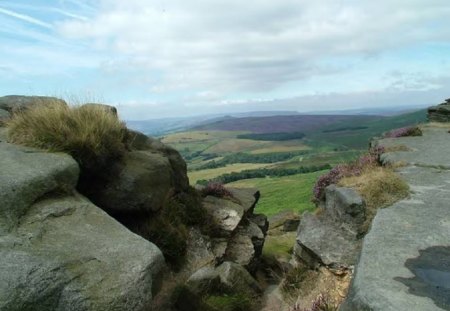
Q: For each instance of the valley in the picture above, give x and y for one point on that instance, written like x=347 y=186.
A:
x=281 y=155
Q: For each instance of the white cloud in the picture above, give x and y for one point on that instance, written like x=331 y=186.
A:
x=231 y=45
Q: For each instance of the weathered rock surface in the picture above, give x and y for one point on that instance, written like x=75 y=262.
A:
x=237 y=278
x=149 y=174
x=429 y=150
x=58 y=251
x=228 y=275
x=27 y=174
x=226 y=214
x=4 y=116
x=12 y=103
x=291 y=225
x=386 y=277
x=142 y=184
x=331 y=237
x=141 y=142
x=242 y=231
x=440 y=113
x=247 y=197
x=279 y=219
x=245 y=247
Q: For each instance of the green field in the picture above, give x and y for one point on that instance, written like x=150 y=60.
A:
x=215 y=172
x=282 y=193
x=228 y=146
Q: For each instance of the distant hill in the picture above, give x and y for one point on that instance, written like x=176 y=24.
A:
x=351 y=131
x=285 y=124
x=157 y=127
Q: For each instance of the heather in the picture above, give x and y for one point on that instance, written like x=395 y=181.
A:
x=216 y=189
x=356 y=168
x=403 y=132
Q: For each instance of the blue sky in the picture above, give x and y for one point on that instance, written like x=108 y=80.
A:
x=165 y=58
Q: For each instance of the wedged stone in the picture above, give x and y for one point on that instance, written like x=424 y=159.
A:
x=140 y=184
x=261 y=221
x=13 y=103
x=245 y=247
x=280 y=218
x=28 y=174
x=203 y=280
x=237 y=278
x=331 y=238
x=70 y=255
x=247 y=197
x=345 y=205
x=291 y=225
x=201 y=251
x=322 y=239
x=225 y=213
x=229 y=278
x=141 y=142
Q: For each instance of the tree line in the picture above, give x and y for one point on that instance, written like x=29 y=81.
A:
x=264 y=172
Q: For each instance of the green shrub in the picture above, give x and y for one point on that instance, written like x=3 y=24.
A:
x=92 y=134
x=169 y=228
x=235 y=302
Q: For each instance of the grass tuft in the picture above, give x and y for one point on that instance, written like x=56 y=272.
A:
x=92 y=134
x=236 y=302
x=293 y=281
x=321 y=303
x=379 y=186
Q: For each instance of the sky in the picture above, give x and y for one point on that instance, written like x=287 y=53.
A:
x=172 y=58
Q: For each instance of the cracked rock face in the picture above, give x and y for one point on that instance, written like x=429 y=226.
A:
x=440 y=113
x=404 y=258
x=331 y=238
x=58 y=251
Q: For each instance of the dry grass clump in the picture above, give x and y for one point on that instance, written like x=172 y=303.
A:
x=397 y=148
x=91 y=134
x=379 y=186
x=444 y=125
x=320 y=303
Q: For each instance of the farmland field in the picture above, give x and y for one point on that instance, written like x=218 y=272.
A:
x=300 y=146
x=283 y=193
x=194 y=176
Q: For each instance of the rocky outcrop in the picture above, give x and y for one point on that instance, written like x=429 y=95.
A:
x=394 y=271
x=142 y=182
x=237 y=235
x=58 y=251
x=228 y=279
x=229 y=276
x=221 y=263
x=4 y=116
x=13 y=103
x=330 y=237
x=440 y=113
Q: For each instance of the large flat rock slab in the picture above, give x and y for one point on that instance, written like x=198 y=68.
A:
x=392 y=273
x=430 y=150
